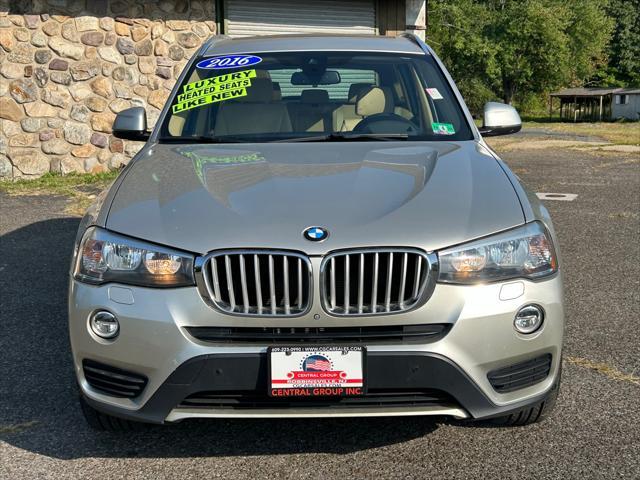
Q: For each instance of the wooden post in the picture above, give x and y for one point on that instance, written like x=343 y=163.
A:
x=600 y=113
x=561 y=105
x=550 y=106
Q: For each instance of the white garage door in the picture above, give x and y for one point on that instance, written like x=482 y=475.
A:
x=276 y=17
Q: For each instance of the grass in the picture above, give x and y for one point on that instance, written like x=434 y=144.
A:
x=80 y=189
x=18 y=427
x=618 y=133
x=604 y=369
x=57 y=184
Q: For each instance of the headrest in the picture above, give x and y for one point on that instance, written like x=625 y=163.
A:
x=261 y=90
x=389 y=102
x=373 y=100
x=355 y=89
x=277 y=92
x=314 y=96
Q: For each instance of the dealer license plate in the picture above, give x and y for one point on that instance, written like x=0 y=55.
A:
x=316 y=371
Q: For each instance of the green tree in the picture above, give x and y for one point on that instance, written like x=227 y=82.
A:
x=532 y=47
x=624 y=49
x=518 y=48
x=457 y=33
x=589 y=30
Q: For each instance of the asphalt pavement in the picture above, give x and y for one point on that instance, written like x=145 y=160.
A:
x=593 y=433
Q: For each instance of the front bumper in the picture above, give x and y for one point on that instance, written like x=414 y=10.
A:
x=399 y=372
x=154 y=342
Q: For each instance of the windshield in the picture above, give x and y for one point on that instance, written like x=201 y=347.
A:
x=314 y=96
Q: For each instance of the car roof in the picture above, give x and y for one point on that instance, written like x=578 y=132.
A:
x=224 y=45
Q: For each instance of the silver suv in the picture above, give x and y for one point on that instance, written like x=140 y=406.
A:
x=316 y=227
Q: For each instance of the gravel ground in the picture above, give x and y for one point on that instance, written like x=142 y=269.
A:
x=594 y=432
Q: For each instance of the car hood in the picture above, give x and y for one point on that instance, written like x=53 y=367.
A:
x=205 y=197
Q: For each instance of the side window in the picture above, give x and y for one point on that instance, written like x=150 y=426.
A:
x=622 y=99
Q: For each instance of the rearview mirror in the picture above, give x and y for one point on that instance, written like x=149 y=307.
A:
x=329 y=77
x=131 y=124
x=500 y=119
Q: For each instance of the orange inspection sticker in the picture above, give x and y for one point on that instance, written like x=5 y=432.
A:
x=214 y=89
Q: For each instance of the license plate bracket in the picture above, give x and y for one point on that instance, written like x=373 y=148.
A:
x=316 y=371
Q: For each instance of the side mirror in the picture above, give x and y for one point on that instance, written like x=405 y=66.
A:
x=131 y=124
x=500 y=119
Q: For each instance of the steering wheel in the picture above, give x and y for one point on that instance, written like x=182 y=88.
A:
x=385 y=123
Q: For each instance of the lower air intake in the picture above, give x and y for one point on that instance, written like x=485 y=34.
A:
x=113 y=381
x=520 y=375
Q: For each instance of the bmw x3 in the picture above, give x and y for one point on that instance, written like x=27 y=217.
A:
x=316 y=227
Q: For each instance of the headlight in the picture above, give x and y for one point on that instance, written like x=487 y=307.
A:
x=525 y=252
x=108 y=257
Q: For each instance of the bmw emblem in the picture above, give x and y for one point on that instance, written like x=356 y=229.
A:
x=316 y=234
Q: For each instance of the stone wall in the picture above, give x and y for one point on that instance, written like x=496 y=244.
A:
x=68 y=66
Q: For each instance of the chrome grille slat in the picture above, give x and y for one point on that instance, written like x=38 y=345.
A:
x=346 y=283
x=416 y=282
x=374 y=288
x=256 y=273
x=208 y=278
x=216 y=280
x=376 y=281
x=285 y=270
x=387 y=295
x=232 y=296
x=361 y=283
x=300 y=283
x=272 y=286
x=403 y=281
x=272 y=283
x=333 y=283
x=243 y=281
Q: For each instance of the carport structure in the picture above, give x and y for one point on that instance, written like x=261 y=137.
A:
x=597 y=104
x=583 y=104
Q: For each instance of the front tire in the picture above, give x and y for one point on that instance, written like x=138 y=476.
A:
x=106 y=423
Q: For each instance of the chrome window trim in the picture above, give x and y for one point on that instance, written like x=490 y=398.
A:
x=425 y=291
x=206 y=290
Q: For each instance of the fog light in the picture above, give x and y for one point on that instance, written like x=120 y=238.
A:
x=104 y=324
x=528 y=319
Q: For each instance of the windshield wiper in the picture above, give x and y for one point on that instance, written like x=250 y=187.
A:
x=202 y=139
x=330 y=137
x=346 y=137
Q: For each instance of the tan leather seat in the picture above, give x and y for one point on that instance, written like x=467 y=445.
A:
x=312 y=113
x=392 y=107
x=370 y=101
x=253 y=113
x=347 y=112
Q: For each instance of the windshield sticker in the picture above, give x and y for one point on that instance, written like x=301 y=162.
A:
x=228 y=61
x=214 y=89
x=434 y=93
x=443 y=128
